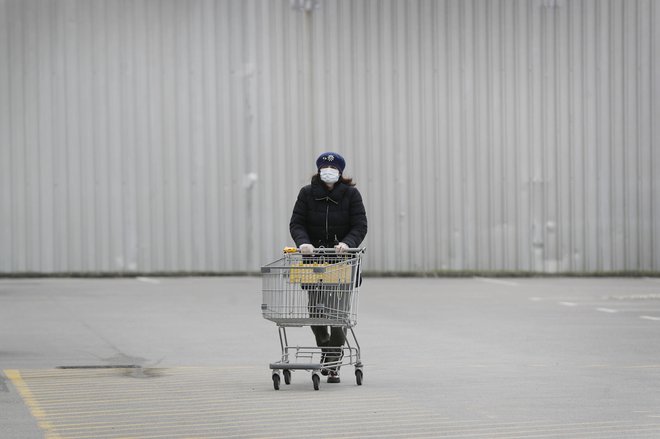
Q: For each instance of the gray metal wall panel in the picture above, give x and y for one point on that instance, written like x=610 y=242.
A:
x=173 y=135
x=6 y=210
x=654 y=237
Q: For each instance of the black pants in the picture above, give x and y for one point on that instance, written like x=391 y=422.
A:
x=337 y=297
x=331 y=342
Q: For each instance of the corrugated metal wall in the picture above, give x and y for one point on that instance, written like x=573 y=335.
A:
x=484 y=135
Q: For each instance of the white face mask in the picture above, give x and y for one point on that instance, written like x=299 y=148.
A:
x=329 y=175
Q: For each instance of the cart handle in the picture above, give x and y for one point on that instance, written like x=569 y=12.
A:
x=326 y=251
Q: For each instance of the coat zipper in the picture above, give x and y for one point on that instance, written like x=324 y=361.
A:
x=327 y=210
x=327 y=213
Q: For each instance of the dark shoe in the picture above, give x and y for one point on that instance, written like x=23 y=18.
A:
x=333 y=377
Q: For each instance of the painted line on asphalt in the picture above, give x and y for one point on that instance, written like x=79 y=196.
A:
x=633 y=297
x=652 y=279
x=646 y=428
x=497 y=281
x=607 y=310
x=198 y=408
x=147 y=280
x=195 y=401
x=236 y=406
x=31 y=402
x=155 y=417
x=650 y=318
x=568 y=303
x=175 y=421
x=643 y=366
x=479 y=429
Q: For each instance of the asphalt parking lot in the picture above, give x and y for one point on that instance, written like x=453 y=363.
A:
x=444 y=357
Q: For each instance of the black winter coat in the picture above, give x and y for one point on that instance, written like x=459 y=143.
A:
x=325 y=218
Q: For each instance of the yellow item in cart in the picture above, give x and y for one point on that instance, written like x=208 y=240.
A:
x=319 y=272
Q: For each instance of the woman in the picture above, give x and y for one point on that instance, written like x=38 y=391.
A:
x=329 y=213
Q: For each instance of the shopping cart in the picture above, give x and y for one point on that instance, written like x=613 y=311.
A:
x=306 y=290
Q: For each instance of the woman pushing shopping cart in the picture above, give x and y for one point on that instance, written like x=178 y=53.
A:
x=317 y=283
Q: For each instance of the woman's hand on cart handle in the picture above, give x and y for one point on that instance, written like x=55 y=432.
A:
x=306 y=249
x=341 y=247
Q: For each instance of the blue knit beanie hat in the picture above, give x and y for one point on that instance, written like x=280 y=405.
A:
x=331 y=159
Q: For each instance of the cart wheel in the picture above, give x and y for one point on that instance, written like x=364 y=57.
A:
x=358 y=377
x=316 y=380
x=287 y=377
x=276 y=381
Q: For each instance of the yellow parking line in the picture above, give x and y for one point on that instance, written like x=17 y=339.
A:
x=207 y=399
x=199 y=402
x=195 y=409
x=31 y=402
x=245 y=418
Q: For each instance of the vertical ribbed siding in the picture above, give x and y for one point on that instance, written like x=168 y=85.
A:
x=654 y=163
x=5 y=141
x=174 y=135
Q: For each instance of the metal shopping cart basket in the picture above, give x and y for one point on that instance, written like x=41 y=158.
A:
x=307 y=290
